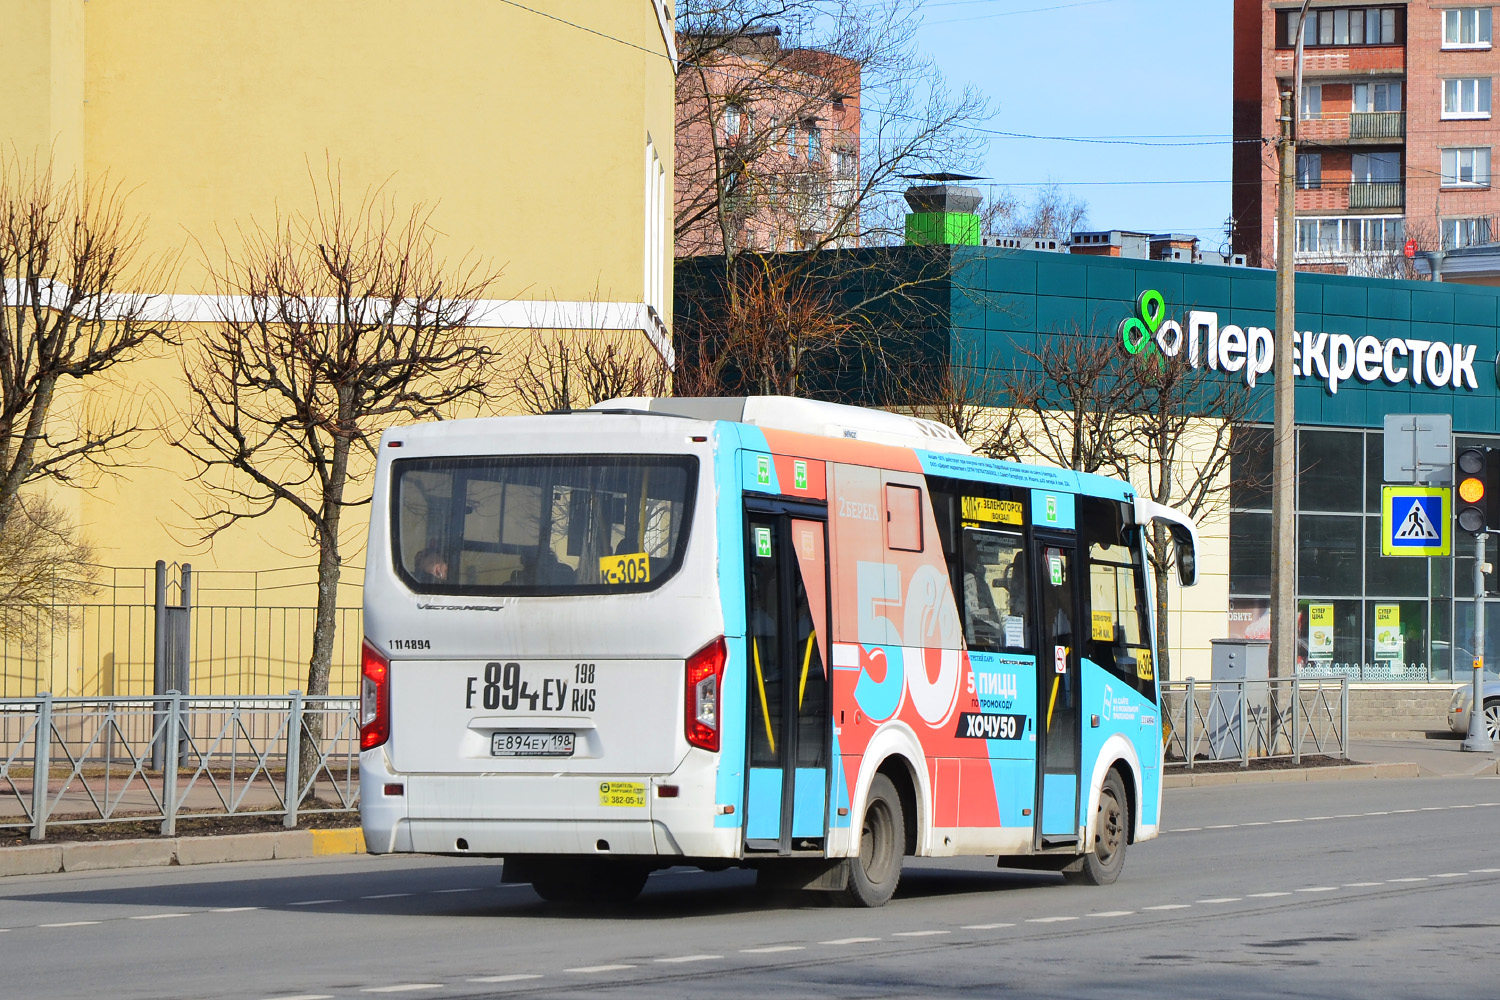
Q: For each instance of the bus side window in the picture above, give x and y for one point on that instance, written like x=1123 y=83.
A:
x=993 y=590
x=903 y=517
x=1118 y=636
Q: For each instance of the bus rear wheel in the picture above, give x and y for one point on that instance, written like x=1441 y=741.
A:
x=874 y=874
x=1102 y=864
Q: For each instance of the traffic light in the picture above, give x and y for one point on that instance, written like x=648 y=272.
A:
x=1478 y=500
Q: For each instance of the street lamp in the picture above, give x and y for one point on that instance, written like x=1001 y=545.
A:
x=1283 y=433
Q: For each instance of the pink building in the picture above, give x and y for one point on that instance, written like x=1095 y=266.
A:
x=768 y=148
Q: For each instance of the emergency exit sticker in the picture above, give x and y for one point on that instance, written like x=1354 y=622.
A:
x=1055 y=570
x=763 y=542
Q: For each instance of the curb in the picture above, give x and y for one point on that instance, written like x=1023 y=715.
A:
x=1352 y=772
x=48 y=859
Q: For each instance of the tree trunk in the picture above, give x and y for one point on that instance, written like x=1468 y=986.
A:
x=325 y=623
x=1163 y=626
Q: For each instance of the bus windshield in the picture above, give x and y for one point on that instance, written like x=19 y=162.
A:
x=562 y=524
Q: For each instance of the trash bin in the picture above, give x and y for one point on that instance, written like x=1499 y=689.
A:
x=1247 y=660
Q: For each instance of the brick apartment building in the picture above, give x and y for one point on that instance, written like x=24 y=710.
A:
x=768 y=133
x=1394 y=132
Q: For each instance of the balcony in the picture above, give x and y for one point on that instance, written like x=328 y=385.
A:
x=1377 y=125
x=1377 y=194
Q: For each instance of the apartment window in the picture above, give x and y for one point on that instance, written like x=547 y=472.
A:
x=791 y=140
x=1465 y=232
x=734 y=121
x=1377 y=97
x=1466 y=167
x=814 y=143
x=1466 y=97
x=845 y=163
x=1344 y=26
x=1376 y=168
x=1466 y=28
x=1309 y=170
x=1312 y=101
x=1362 y=234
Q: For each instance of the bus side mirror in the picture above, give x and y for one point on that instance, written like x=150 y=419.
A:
x=1187 y=555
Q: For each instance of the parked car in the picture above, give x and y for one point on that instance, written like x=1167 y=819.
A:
x=1458 y=708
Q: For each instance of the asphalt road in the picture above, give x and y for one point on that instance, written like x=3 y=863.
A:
x=1349 y=889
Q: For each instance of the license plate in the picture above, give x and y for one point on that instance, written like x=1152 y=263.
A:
x=512 y=744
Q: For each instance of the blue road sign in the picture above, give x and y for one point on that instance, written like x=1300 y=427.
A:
x=1416 y=521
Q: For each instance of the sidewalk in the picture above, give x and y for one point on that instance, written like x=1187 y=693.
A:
x=1439 y=756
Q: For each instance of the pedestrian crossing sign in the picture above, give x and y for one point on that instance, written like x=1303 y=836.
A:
x=1416 y=521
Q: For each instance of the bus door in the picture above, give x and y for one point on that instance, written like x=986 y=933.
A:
x=1059 y=701
x=789 y=727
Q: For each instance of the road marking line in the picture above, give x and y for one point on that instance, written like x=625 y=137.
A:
x=1315 y=819
x=1361 y=885
x=1267 y=895
x=1377 y=814
x=849 y=941
x=773 y=949
x=1450 y=875
x=689 y=958
x=305 y=996
x=71 y=923
x=1169 y=906
x=1259 y=822
x=1110 y=913
x=1221 y=899
x=1434 y=809
x=1484 y=871
x=159 y=916
x=1049 y=920
x=388 y=895
x=235 y=909
x=985 y=927
x=1395 y=811
x=402 y=988
x=918 y=933
x=470 y=889
x=600 y=968
x=1188 y=829
x=315 y=902
x=1221 y=826
x=513 y=978
x=1407 y=880
x=1286 y=821
x=1320 y=888
x=1347 y=816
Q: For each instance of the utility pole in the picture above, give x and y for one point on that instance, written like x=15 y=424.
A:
x=1283 y=652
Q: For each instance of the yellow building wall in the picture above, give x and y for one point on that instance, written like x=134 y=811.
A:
x=526 y=134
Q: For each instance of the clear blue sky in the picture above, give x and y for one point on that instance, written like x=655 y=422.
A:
x=1132 y=68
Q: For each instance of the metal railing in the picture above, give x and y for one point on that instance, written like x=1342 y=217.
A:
x=162 y=759
x=1243 y=720
x=1377 y=124
x=1377 y=194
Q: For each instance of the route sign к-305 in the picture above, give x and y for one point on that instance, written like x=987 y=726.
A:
x=1416 y=521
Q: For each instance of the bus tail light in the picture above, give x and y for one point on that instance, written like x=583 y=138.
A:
x=705 y=677
x=374 y=698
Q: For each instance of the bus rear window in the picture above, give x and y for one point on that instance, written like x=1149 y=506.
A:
x=563 y=524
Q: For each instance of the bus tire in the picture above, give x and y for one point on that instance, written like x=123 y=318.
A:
x=1106 y=856
x=875 y=872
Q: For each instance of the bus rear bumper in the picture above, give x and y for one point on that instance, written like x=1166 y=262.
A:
x=494 y=814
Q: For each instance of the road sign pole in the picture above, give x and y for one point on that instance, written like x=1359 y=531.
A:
x=1478 y=739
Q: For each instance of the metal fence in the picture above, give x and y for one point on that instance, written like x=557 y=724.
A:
x=89 y=761
x=1242 y=720
x=245 y=633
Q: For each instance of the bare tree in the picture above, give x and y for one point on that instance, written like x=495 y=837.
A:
x=46 y=570
x=1078 y=396
x=331 y=325
x=1181 y=450
x=74 y=303
x=806 y=145
x=966 y=394
x=1050 y=214
x=561 y=370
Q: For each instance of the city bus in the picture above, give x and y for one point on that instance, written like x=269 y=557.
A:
x=800 y=637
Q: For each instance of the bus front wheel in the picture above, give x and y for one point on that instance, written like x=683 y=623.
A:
x=1101 y=866
x=873 y=875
